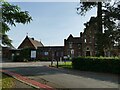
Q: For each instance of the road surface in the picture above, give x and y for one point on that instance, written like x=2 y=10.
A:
x=62 y=78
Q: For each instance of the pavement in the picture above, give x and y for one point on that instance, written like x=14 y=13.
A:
x=38 y=74
x=27 y=81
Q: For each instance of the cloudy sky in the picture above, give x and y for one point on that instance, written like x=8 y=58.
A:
x=52 y=22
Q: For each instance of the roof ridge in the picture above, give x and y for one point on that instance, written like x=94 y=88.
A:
x=35 y=42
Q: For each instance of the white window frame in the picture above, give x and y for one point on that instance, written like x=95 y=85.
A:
x=46 y=53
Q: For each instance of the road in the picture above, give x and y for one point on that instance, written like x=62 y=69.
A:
x=63 y=78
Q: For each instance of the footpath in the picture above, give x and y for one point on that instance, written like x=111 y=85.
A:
x=26 y=81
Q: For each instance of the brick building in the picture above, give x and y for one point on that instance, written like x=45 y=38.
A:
x=72 y=46
x=50 y=52
x=6 y=54
x=84 y=45
x=88 y=42
x=42 y=52
x=30 y=43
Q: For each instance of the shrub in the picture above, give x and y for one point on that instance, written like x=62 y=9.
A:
x=44 y=59
x=25 y=56
x=17 y=58
x=98 y=64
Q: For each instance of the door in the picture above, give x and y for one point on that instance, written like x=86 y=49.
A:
x=87 y=53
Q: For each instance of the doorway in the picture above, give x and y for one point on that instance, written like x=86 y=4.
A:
x=87 y=53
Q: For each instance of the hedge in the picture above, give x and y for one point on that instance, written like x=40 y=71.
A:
x=45 y=59
x=111 y=65
x=25 y=55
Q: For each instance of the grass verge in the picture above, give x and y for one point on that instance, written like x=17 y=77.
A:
x=6 y=81
x=67 y=65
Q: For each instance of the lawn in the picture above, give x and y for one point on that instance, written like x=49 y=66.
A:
x=6 y=81
x=67 y=64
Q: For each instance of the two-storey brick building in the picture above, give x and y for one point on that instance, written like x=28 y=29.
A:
x=84 y=45
x=72 y=46
x=88 y=41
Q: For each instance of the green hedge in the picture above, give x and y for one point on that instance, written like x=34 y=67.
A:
x=45 y=59
x=111 y=65
x=24 y=55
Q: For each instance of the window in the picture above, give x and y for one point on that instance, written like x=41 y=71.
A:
x=61 y=53
x=45 y=53
x=17 y=54
x=90 y=40
x=57 y=53
x=70 y=44
x=72 y=51
x=0 y=52
x=85 y=40
x=79 y=46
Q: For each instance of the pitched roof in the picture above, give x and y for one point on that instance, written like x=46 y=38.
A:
x=74 y=39
x=77 y=39
x=35 y=43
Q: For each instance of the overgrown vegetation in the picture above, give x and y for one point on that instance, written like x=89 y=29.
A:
x=98 y=64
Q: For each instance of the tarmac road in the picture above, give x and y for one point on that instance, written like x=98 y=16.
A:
x=62 y=78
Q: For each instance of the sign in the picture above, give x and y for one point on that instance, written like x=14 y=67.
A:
x=72 y=51
x=33 y=54
x=65 y=57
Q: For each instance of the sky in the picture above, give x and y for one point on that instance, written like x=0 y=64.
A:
x=52 y=22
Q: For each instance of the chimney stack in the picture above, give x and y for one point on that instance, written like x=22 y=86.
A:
x=81 y=34
x=32 y=38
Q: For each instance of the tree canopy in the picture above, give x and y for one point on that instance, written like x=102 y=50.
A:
x=12 y=14
x=108 y=14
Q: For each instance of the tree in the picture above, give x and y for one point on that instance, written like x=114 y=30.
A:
x=12 y=14
x=107 y=15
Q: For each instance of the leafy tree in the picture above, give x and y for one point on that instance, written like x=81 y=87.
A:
x=12 y=14
x=107 y=15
